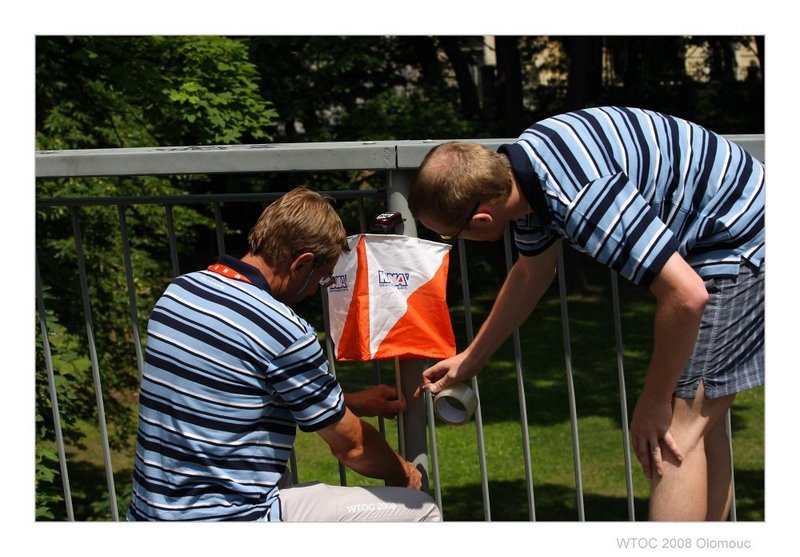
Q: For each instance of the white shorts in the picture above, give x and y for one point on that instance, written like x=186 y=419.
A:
x=319 y=502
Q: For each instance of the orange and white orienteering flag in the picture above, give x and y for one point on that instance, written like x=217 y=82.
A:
x=389 y=299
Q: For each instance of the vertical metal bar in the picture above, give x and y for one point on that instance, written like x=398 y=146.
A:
x=437 y=482
x=126 y=255
x=623 y=398
x=101 y=415
x=523 y=409
x=362 y=220
x=733 y=479
x=462 y=262
x=413 y=420
x=331 y=360
x=327 y=328
x=293 y=466
x=573 y=417
x=401 y=434
x=399 y=182
x=220 y=228
x=173 y=245
x=376 y=373
x=51 y=388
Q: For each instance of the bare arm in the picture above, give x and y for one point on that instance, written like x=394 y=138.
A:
x=359 y=446
x=524 y=286
x=680 y=300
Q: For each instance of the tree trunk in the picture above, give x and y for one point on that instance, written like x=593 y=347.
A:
x=584 y=79
x=424 y=49
x=509 y=87
x=760 y=53
x=632 y=76
x=470 y=105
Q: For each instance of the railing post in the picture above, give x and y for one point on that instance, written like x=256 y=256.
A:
x=51 y=389
x=101 y=413
x=623 y=397
x=126 y=257
x=523 y=407
x=573 y=412
x=487 y=511
x=413 y=420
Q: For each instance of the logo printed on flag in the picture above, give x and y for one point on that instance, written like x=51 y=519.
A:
x=339 y=283
x=398 y=280
x=389 y=299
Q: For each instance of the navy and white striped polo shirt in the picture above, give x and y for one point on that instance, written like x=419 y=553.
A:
x=229 y=371
x=630 y=187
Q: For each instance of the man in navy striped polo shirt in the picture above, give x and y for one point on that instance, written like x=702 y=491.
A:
x=231 y=371
x=667 y=204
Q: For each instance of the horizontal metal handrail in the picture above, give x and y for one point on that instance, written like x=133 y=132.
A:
x=275 y=157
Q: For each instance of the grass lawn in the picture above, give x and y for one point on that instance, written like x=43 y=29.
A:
x=599 y=428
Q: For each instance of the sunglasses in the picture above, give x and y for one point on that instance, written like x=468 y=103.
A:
x=454 y=236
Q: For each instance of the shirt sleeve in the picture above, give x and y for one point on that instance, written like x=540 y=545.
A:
x=609 y=220
x=299 y=376
x=531 y=237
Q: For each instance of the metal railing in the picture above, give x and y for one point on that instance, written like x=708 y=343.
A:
x=399 y=160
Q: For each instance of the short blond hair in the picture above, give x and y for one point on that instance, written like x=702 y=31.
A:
x=299 y=221
x=454 y=176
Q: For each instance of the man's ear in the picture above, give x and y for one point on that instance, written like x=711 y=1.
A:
x=301 y=262
x=483 y=215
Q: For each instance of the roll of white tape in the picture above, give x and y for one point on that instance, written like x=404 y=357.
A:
x=455 y=404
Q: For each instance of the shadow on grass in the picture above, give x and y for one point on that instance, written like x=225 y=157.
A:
x=749 y=495
x=508 y=499
x=509 y=502
x=90 y=500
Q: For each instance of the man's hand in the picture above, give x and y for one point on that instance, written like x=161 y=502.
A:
x=445 y=373
x=378 y=400
x=680 y=300
x=413 y=477
x=650 y=434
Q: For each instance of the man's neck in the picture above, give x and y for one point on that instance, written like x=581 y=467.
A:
x=517 y=204
x=261 y=265
x=277 y=280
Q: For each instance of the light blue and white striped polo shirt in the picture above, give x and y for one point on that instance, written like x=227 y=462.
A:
x=630 y=187
x=229 y=372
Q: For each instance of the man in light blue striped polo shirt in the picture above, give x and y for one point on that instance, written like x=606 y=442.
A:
x=667 y=204
x=231 y=371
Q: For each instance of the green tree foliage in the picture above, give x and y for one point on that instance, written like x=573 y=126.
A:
x=94 y=92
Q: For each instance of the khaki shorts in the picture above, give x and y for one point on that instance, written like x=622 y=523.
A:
x=318 y=502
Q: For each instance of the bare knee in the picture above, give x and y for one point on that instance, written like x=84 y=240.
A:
x=697 y=418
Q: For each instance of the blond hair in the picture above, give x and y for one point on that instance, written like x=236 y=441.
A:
x=299 y=221
x=454 y=176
